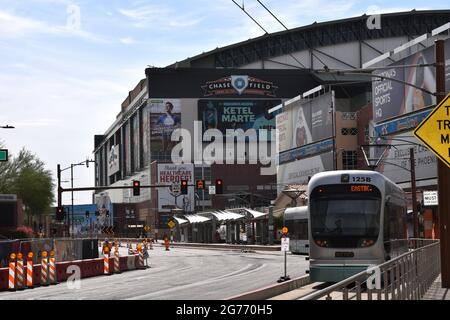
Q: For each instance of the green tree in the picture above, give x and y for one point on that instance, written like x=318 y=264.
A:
x=26 y=176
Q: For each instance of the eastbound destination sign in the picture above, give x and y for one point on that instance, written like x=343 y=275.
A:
x=434 y=131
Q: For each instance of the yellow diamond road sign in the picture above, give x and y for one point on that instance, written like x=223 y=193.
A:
x=434 y=131
x=171 y=224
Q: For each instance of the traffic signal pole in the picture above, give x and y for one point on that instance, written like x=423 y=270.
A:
x=443 y=176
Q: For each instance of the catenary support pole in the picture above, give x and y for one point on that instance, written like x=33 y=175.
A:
x=443 y=175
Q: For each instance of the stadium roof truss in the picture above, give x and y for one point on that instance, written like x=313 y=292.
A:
x=318 y=35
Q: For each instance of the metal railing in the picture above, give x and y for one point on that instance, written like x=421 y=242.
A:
x=407 y=277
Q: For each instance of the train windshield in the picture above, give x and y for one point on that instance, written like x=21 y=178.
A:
x=344 y=216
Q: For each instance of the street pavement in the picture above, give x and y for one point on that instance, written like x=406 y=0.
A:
x=180 y=274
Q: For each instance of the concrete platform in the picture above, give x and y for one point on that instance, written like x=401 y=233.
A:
x=436 y=292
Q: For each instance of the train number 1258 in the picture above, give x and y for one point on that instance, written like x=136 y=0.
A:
x=361 y=179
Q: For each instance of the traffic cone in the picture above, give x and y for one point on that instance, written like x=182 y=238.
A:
x=52 y=268
x=19 y=269
x=44 y=269
x=12 y=272
x=30 y=270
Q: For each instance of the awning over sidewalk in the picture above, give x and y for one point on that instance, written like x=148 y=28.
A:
x=180 y=221
x=227 y=215
x=256 y=214
x=195 y=218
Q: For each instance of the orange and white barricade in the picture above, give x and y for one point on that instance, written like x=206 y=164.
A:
x=52 y=268
x=116 y=260
x=44 y=268
x=12 y=272
x=140 y=256
x=30 y=270
x=106 y=260
x=19 y=270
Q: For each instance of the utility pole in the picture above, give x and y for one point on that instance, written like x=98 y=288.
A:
x=414 y=192
x=270 y=227
x=443 y=175
x=71 y=185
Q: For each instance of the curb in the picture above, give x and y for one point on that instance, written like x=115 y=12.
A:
x=273 y=290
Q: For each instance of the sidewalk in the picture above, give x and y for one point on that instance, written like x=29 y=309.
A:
x=436 y=292
x=227 y=246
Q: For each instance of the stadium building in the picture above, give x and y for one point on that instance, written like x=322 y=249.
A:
x=284 y=80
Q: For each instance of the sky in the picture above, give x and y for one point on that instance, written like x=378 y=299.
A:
x=66 y=66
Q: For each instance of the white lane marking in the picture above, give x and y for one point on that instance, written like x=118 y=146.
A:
x=207 y=281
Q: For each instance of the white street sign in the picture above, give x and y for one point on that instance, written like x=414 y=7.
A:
x=212 y=189
x=284 y=244
x=176 y=188
x=430 y=198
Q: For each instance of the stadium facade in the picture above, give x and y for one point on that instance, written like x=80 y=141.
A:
x=234 y=87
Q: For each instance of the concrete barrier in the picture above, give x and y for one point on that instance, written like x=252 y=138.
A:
x=273 y=290
x=88 y=268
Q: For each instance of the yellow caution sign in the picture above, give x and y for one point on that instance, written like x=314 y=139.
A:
x=434 y=131
x=171 y=224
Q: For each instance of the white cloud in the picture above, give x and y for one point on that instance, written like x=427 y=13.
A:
x=161 y=16
x=127 y=40
x=14 y=26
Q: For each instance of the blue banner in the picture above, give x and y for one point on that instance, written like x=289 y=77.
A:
x=306 y=151
x=404 y=123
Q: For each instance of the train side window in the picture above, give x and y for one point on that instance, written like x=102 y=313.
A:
x=387 y=229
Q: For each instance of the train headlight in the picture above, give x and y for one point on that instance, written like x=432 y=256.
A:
x=366 y=243
x=321 y=243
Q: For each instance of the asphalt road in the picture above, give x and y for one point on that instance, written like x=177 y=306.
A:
x=180 y=274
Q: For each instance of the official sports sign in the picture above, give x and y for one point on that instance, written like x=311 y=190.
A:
x=434 y=131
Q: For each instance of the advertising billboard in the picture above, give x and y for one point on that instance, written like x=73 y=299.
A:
x=311 y=121
x=299 y=171
x=236 y=114
x=392 y=98
x=127 y=149
x=113 y=160
x=398 y=158
x=145 y=116
x=169 y=198
x=135 y=130
x=165 y=117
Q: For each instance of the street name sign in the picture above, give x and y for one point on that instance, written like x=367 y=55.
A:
x=434 y=131
x=3 y=154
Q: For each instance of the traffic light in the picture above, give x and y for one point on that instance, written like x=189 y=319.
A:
x=60 y=213
x=87 y=214
x=136 y=187
x=219 y=186
x=184 y=187
x=107 y=213
x=200 y=184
